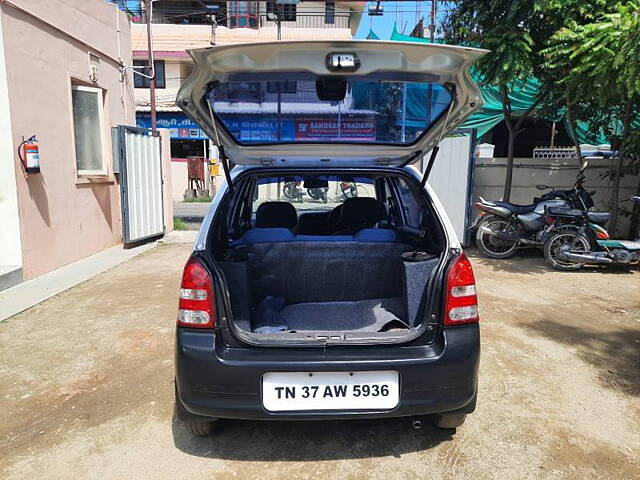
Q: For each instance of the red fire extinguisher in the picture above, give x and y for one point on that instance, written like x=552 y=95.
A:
x=30 y=155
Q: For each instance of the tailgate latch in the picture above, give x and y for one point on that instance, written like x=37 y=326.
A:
x=342 y=62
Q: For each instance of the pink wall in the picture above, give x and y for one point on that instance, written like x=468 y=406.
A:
x=64 y=218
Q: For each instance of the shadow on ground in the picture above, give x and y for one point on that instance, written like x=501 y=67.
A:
x=615 y=353
x=308 y=441
x=531 y=262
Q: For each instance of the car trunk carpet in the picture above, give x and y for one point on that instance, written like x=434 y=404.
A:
x=374 y=315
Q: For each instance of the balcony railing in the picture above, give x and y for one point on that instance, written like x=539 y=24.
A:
x=337 y=20
x=340 y=19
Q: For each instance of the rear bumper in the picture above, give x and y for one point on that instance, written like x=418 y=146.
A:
x=213 y=380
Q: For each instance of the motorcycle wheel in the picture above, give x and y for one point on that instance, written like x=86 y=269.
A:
x=553 y=245
x=491 y=246
x=290 y=191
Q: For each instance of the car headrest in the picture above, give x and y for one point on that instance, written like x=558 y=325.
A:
x=276 y=215
x=361 y=211
x=334 y=217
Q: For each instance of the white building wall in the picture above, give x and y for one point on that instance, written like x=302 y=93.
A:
x=10 y=246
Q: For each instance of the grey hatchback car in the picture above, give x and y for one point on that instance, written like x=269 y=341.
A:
x=326 y=281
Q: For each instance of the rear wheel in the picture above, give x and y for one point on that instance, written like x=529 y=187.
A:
x=290 y=191
x=491 y=245
x=563 y=240
x=449 y=420
x=202 y=429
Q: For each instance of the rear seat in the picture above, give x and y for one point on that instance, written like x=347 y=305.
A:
x=281 y=235
x=275 y=221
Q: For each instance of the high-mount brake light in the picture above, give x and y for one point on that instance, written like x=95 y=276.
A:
x=196 y=306
x=462 y=301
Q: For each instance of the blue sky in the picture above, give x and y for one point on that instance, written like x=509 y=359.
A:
x=406 y=14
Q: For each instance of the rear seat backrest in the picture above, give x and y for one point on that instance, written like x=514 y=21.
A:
x=324 y=271
x=265 y=235
x=376 y=235
x=283 y=235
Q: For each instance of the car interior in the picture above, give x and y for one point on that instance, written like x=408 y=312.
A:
x=358 y=264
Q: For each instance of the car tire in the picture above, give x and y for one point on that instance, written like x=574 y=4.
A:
x=202 y=429
x=449 y=420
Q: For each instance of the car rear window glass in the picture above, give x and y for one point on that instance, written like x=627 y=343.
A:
x=304 y=194
x=298 y=110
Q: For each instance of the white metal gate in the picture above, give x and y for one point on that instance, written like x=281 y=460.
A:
x=452 y=179
x=140 y=162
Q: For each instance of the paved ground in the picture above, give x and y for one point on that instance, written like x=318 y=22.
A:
x=192 y=213
x=86 y=389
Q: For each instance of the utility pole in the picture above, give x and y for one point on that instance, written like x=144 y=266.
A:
x=152 y=70
x=432 y=30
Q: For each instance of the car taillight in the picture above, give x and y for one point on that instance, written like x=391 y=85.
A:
x=196 y=306
x=462 y=301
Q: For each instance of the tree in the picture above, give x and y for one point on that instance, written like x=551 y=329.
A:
x=599 y=63
x=515 y=33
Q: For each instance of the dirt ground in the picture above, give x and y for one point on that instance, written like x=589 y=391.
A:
x=86 y=389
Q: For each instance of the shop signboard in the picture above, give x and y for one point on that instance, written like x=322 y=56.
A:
x=179 y=125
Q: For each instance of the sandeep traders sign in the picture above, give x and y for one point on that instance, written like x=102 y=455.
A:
x=348 y=128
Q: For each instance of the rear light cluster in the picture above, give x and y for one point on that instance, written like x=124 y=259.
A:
x=196 y=297
x=462 y=301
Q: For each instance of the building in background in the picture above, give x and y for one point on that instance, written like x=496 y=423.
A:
x=179 y=25
x=60 y=80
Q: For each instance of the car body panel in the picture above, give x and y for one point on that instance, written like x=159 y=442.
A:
x=214 y=380
x=444 y=64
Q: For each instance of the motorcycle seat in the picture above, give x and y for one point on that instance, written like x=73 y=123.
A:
x=517 y=209
x=630 y=245
x=599 y=218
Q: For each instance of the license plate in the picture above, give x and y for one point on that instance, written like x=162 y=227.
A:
x=294 y=391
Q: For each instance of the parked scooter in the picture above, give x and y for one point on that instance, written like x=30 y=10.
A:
x=589 y=244
x=506 y=227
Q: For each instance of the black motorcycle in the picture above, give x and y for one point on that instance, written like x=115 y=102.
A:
x=505 y=227
x=318 y=193
x=292 y=190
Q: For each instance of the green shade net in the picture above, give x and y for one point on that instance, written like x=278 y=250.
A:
x=372 y=35
x=521 y=95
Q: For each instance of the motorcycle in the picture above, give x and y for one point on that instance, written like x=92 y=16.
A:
x=292 y=191
x=590 y=243
x=318 y=193
x=347 y=190
x=505 y=227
